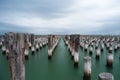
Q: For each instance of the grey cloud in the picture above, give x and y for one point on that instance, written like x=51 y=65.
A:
x=50 y=9
x=45 y=8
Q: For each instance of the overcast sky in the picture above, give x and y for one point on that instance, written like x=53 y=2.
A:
x=60 y=16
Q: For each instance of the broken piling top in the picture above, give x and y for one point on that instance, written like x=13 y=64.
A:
x=87 y=59
x=105 y=76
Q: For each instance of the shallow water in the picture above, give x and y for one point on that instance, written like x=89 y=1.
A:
x=61 y=66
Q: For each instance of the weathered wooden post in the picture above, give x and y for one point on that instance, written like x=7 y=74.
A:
x=66 y=40
x=52 y=44
x=110 y=59
x=16 y=56
x=32 y=43
x=91 y=50
x=87 y=66
x=40 y=45
x=49 y=46
x=7 y=44
x=76 y=50
x=72 y=46
x=96 y=45
x=98 y=52
x=37 y=43
x=3 y=47
x=102 y=46
x=116 y=47
x=107 y=45
x=86 y=47
x=26 y=52
x=110 y=49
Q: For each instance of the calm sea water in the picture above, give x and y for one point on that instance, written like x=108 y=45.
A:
x=61 y=67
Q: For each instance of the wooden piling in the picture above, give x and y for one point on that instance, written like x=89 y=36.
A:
x=26 y=45
x=87 y=66
x=16 y=56
x=110 y=59
x=76 y=49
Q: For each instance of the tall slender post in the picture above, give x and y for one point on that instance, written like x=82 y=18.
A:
x=76 y=50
